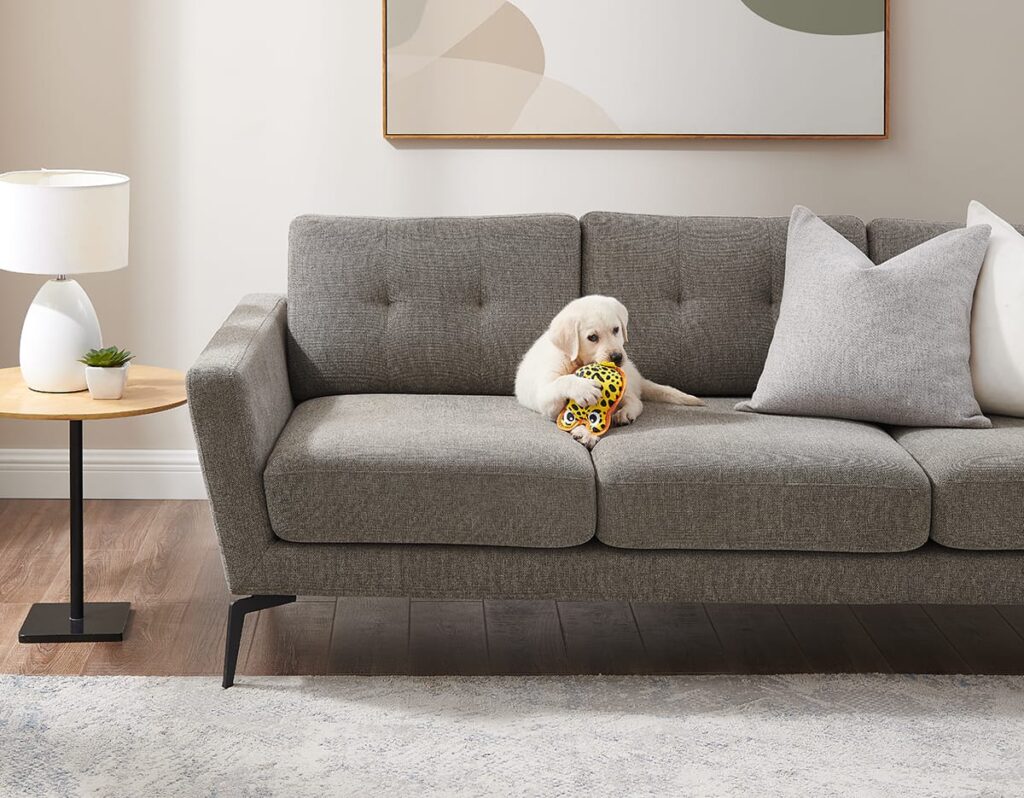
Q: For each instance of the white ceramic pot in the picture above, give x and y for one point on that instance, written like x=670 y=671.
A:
x=106 y=383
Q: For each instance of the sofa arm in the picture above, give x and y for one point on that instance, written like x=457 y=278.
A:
x=240 y=398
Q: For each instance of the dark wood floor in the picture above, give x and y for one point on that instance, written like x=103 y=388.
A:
x=162 y=556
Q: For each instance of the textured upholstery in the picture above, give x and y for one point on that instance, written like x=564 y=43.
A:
x=888 y=238
x=714 y=478
x=400 y=468
x=444 y=305
x=702 y=292
x=930 y=574
x=977 y=482
x=346 y=339
x=239 y=399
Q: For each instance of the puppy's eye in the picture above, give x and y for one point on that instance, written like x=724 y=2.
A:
x=592 y=338
x=615 y=330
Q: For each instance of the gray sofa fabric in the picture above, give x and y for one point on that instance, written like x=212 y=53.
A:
x=888 y=238
x=703 y=292
x=977 y=482
x=930 y=574
x=368 y=314
x=413 y=468
x=444 y=305
x=240 y=400
x=715 y=478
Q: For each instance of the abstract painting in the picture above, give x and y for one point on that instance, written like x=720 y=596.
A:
x=643 y=68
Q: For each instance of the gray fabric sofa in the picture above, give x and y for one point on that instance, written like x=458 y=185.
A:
x=360 y=437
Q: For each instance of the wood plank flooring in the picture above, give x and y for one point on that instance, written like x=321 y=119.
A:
x=162 y=556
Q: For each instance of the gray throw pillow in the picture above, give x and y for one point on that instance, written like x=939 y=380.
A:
x=889 y=343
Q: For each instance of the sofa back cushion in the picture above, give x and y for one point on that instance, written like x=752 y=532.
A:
x=702 y=292
x=888 y=238
x=441 y=305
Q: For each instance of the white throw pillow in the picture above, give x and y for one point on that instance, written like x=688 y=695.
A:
x=997 y=322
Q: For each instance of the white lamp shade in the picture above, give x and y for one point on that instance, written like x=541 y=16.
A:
x=63 y=221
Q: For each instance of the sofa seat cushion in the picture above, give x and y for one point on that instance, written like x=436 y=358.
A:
x=715 y=478
x=977 y=482
x=399 y=468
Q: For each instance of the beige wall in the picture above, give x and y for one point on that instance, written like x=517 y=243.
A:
x=233 y=116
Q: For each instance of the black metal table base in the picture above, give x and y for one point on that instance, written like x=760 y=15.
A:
x=75 y=621
x=103 y=622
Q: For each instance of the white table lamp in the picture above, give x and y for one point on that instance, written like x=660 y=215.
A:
x=60 y=222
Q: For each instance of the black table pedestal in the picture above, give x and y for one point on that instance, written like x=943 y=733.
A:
x=75 y=621
x=104 y=622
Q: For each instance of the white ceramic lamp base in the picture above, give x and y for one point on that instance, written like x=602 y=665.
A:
x=60 y=327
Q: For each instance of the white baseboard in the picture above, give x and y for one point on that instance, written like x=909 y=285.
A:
x=107 y=474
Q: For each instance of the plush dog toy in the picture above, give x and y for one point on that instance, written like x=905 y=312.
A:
x=597 y=417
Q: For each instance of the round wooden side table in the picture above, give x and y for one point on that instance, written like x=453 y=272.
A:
x=149 y=390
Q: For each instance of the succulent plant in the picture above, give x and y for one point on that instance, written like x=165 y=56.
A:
x=109 y=358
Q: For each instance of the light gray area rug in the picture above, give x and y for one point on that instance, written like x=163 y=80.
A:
x=554 y=736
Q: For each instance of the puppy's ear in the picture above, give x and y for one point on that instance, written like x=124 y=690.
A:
x=623 y=315
x=565 y=334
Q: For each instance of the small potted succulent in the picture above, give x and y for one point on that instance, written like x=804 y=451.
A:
x=106 y=371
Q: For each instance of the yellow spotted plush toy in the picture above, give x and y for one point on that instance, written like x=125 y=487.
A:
x=597 y=417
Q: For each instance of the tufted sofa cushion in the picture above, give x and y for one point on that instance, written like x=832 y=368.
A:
x=888 y=238
x=703 y=292
x=442 y=305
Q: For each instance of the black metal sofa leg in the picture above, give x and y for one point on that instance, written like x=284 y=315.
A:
x=236 y=619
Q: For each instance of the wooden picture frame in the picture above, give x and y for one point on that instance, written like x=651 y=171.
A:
x=396 y=135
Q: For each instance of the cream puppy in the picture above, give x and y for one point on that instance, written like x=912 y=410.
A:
x=590 y=329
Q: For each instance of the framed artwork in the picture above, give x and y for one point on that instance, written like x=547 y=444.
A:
x=651 y=69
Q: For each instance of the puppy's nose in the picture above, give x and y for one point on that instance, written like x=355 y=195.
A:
x=616 y=358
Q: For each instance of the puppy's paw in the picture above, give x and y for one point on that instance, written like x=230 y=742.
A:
x=628 y=412
x=624 y=416
x=585 y=392
x=582 y=435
